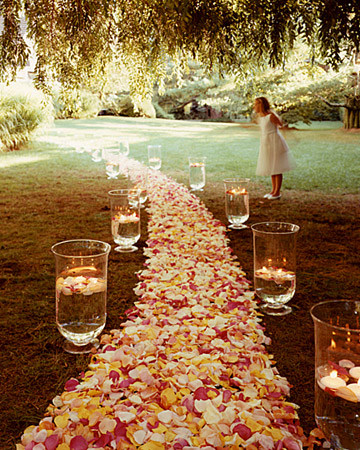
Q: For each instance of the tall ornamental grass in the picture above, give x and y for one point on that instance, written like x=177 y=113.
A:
x=23 y=111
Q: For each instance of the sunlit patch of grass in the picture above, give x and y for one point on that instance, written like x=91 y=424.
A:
x=22 y=159
x=327 y=157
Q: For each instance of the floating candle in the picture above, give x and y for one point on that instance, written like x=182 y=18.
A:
x=124 y=218
x=344 y=362
x=332 y=381
x=355 y=388
x=355 y=372
x=80 y=285
x=237 y=191
x=279 y=275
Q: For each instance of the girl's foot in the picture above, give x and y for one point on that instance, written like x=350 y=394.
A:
x=274 y=197
x=267 y=195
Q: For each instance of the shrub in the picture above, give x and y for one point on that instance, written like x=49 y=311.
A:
x=161 y=113
x=121 y=104
x=75 y=104
x=23 y=111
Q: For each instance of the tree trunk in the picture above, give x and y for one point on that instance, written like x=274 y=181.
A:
x=352 y=112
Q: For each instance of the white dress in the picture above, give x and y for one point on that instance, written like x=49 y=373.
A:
x=274 y=155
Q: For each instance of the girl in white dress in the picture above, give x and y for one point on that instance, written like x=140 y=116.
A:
x=274 y=155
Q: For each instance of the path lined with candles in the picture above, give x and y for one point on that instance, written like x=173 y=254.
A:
x=188 y=368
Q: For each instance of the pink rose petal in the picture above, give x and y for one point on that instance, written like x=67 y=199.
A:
x=243 y=431
x=52 y=442
x=290 y=444
x=71 y=384
x=78 y=443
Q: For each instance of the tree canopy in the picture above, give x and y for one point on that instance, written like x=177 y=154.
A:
x=74 y=40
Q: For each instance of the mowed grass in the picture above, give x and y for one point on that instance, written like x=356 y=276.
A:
x=327 y=157
x=50 y=192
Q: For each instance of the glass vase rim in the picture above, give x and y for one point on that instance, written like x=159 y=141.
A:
x=196 y=157
x=329 y=325
x=125 y=192
x=295 y=228
x=106 y=251
x=236 y=180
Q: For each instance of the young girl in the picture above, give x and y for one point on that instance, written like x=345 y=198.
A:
x=274 y=156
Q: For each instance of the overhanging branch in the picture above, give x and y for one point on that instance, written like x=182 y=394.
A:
x=333 y=105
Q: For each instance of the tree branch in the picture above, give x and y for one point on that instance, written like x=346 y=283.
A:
x=334 y=105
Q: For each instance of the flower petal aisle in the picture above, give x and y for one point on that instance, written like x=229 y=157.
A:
x=188 y=369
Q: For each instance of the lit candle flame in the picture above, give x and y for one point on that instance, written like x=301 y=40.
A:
x=237 y=191
x=197 y=164
x=126 y=218
x=333 y=374
x=333 y=344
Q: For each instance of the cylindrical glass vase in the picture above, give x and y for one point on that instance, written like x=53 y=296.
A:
x=275 y=265
x=237 y=207
x=124 y=148
x=140 y=184
x=125 y=218
x=154 y=156
x=337 y=371
x=197 y=175
x=81 y=287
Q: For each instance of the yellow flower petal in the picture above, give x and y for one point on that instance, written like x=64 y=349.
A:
x=170 y=436
x=168 y=398
x=275 y=433
x=152 y=445
x=160 y=429
x=62 y=421
x=107 y=425
x=63 y=447
x=29 y=429
x=254 y=426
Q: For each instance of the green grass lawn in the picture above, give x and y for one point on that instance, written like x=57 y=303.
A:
x=327 y=157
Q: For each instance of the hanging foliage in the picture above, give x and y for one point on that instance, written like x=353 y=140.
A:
x=74 y=40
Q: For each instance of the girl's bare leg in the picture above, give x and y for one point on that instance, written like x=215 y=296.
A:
x=273 y=182
x=277 y=183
